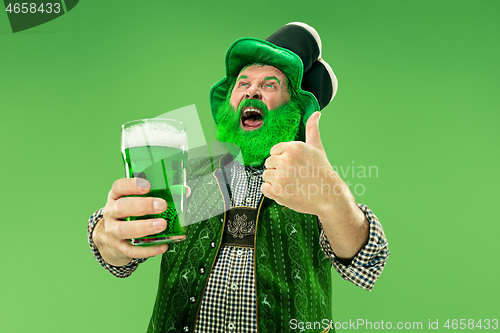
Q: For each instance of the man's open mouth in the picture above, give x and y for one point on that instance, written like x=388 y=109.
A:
x=251 y=118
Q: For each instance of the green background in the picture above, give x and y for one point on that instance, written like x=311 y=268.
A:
x=418 y=99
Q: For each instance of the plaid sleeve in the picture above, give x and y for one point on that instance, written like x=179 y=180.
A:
x=122 y=271
x=367 y=265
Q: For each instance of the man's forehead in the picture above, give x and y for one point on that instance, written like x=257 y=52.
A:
x=263 y=70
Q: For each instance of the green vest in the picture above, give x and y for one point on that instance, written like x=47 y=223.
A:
x=292 y=274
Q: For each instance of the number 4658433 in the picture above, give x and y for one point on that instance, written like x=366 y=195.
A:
x=471 y=324
x=33 y=8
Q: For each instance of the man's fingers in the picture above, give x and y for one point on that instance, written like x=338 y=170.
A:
x=272 y=162
x=132 y=251
x=269 y=176
x=278 y=149
x=138 y=228
x=137 y=206
x=129 y=186
x=266 y=189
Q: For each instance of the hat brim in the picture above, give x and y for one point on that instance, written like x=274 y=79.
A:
x=245 y=51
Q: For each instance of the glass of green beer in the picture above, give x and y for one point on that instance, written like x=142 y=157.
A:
x=156 y=150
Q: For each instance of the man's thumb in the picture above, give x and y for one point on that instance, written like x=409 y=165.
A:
x=312 y=131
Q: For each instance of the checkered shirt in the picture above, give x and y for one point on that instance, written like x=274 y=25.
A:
x=229 y=304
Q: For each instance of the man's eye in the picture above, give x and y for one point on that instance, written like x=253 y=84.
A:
x=270 y=85
x=244 y=84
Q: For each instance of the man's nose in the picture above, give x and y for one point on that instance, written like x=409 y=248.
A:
x=253 y=93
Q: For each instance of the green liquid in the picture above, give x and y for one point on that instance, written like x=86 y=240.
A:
x=164 y=168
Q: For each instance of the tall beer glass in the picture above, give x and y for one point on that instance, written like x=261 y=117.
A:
x=156 y=150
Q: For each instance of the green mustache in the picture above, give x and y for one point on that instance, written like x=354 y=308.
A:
x=255 y=103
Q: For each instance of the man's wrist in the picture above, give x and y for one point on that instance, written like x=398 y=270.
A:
x=96 y=234
x=105 y=249
x=339 y=207
x=346 y=229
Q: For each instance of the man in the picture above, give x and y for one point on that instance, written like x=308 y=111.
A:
x=275 y=216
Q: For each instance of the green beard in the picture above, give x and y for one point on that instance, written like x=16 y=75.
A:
x=280 y=125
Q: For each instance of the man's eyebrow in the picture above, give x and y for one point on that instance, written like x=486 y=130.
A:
x=243 y=77
x=272 y=78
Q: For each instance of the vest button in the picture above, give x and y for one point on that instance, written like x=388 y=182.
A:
x=234 y=286
x=239 y=252
x=186 y=328
x=231 y=326
x=212 y=245
x=221 y=220
x=192 y=299
x=202 y=270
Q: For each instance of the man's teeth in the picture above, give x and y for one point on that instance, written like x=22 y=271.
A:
x=246 y=111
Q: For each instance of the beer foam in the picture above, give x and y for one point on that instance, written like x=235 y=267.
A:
x=153 y=133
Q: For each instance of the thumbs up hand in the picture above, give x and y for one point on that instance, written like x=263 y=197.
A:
x=299 y=175
x=312 y=132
